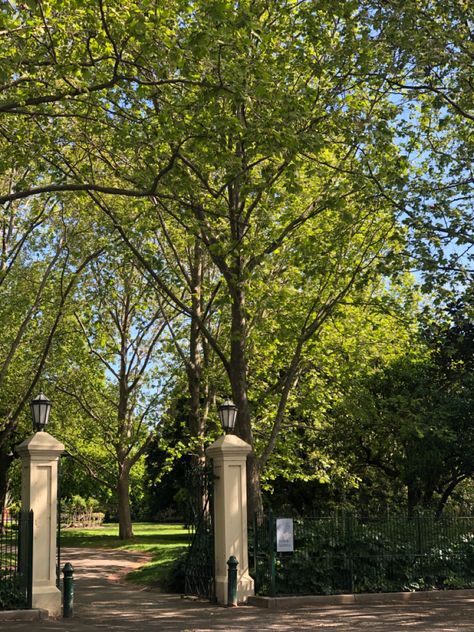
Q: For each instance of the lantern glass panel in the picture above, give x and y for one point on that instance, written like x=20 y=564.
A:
x=228 y=414
x=40 y=409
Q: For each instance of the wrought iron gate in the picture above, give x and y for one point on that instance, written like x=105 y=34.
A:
x=199 y=567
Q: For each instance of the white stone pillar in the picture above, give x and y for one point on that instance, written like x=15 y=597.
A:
x=39 y=489
x=229 y=454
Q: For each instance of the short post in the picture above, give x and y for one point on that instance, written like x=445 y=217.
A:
x=68 y=587
x=232 y=563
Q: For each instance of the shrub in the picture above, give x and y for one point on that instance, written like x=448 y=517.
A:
x=11 y=594
x=176 y=577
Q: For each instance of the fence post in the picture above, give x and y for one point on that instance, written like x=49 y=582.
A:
x=419 y=545
x=419 y=537
x=271 y=541
x=29 y=568
x=350 y=540
x=255 y=552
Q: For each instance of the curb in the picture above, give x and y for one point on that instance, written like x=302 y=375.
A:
x=280 y=603
x=35 y=614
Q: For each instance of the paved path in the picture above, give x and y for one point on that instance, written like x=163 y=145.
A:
x=103 y=603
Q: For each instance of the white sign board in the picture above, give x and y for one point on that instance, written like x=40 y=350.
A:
x=284 y=535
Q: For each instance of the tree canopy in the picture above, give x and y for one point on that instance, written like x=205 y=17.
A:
x=270 y=170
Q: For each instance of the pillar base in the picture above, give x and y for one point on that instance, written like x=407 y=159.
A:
x=245 y=589
x=47 y=598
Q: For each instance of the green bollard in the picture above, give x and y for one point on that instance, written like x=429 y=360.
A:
x=232 y=581
x=68 y=586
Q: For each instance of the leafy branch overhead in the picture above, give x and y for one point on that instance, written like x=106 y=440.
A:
x=250 y=176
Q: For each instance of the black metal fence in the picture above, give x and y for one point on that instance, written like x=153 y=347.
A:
x=16 y=541
x=344 y=553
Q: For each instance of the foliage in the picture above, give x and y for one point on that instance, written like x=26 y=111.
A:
x=409 y=422
x=41 y=259
x=432 y=81
x=364 y=335
x=77 y=503
x=169 y=457
x=12 y=595
x=165 y=476
x=175 y=580
x=270 y=170
x=259 y=131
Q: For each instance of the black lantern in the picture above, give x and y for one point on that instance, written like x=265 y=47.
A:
x=228 y=415
x=40 y=409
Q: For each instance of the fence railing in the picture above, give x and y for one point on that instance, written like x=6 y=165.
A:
x=81 y=519
x=344 y=553
x=16 y=541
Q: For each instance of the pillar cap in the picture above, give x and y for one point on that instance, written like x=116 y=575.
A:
x=228 y=444
x=40 y=443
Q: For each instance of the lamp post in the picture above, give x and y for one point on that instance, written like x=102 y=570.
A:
x=40 y=409
x=228 y=415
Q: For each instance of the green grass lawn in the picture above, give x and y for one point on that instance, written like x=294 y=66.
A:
x=165 y=542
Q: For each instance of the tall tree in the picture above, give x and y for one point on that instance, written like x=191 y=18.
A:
x=41 y=262
x=256 y=127
x=122 y=327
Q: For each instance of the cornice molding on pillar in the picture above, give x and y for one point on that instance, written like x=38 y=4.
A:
x=40 y=443
x=228 y=445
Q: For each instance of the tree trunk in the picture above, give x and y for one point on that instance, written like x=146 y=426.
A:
x=447 y=493
x=123 y=503
x=194 y=372
x=238 y=376
x=254 y=490
x=5 y=462
x=123 y=481
x=413 y=499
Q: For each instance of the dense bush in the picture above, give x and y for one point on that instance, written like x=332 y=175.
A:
x=11 y=594
x=176 y=577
